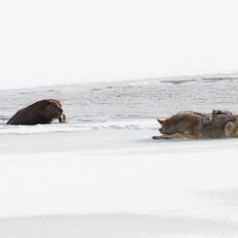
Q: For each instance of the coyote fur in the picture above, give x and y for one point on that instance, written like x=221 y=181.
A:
x=194 y=125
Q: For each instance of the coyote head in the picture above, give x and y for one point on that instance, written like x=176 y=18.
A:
x=165 y=126
x=175 y=124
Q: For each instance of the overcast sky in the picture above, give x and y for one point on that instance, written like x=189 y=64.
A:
x=74 y=41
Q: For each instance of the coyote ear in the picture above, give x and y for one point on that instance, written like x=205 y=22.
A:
x=214 y=111
x=163 y=123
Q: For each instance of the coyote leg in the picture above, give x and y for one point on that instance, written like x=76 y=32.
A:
x=158 y=137
x=173 y=136
x=231 y=129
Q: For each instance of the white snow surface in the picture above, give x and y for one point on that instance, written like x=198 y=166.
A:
x=62 y=42
x=115 y=181
x=110 y=179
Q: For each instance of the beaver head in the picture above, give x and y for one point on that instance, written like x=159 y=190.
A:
x=52 y=109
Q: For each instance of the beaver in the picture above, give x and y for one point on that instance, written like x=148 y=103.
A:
x=40 y=112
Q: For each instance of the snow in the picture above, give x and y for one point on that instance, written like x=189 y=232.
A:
x=110 y=179
x=58 y=42
x=119 y=177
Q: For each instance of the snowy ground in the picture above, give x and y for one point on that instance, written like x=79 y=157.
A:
x=101 y=175
x=113 y=180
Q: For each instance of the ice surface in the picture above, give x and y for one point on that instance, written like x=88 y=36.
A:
x=101 y=174
x=120 y=177
x=102 y=169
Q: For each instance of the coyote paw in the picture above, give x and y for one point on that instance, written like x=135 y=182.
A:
x=157 y=137
x=166 y=137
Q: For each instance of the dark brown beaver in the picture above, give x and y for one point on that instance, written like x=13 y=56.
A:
x=41 y=112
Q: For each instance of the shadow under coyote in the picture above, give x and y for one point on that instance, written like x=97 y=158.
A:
x=195 y=125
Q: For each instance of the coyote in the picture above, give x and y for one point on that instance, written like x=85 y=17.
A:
x=194 y=125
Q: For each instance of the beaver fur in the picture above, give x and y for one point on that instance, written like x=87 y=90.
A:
x=40 y=112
